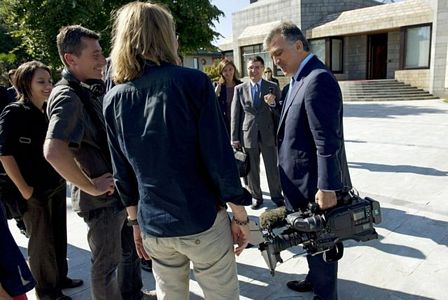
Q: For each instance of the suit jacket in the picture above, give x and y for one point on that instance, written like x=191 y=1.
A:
x=310 y=137
x=247 y=121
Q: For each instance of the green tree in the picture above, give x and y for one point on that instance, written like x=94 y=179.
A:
x=35 y=23
x=212 y=70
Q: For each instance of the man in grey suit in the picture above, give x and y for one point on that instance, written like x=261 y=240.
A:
x=253 y=112
x=312 y=161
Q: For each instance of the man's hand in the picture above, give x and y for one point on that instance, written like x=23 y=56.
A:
x=240 y=235
x=236 y=145
x=270 y=99
x=326 y=200
x=103 y=184
x=27 y=192
x=141 y=252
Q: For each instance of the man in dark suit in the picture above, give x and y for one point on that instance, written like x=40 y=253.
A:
x=253 y=112
x=312 y=161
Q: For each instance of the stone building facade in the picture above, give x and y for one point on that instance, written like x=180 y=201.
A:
x=357 y=39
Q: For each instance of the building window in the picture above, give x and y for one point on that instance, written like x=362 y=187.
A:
x=417 y=47
x=195 y=63
x=318 y=49
x=254 y=50
x=330 y=52
x=228 y=54
x=336 y=55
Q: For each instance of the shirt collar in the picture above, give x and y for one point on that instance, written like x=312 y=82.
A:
x=253 y=83
x=302 y=64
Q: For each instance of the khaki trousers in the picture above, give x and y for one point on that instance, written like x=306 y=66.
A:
x=211 y=253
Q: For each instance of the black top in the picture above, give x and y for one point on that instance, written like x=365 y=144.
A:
x=22 y=135
x=225 y=105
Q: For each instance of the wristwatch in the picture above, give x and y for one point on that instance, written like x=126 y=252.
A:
x=131 y=222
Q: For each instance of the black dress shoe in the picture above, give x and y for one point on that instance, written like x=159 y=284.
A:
x=256 y=203
x=54 y=295
x=301 y=286
x=69 y=283
x=279 y=202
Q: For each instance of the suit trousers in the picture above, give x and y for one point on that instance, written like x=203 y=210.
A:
x=211 y=253
x=104 y=238
x=323 y=277
x=129 y=269
x=269 y=154
x=46 y=224
x=15 y=276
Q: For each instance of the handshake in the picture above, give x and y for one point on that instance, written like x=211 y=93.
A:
x=318 y=232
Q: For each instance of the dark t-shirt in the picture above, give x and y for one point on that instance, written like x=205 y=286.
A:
x=70 y=122
x=22 y=135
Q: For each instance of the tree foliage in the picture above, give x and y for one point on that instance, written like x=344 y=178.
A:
x=35 y=23
x=212 y=70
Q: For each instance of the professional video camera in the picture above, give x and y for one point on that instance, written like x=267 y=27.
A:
x=317 y=231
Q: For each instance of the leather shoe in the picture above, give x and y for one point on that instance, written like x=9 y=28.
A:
x=301 y=286
x=279 y=202
x=69 y=283
x=54 y=295
x=256 y=203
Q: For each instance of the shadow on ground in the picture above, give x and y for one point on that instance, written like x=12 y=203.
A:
x=397 y=168
x=385 y=110
x=273 y=288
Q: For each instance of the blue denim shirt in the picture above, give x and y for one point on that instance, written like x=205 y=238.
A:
x=170 y=150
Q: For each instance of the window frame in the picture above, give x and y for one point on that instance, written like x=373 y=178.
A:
x=258 y=50
x=329 y=51
x=403 y=52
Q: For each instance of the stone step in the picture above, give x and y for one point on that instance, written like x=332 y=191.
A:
x=371 y=87
x=351 y=83
x=352 y=99
x=381 y=90
x=385 y=91
x=391 y=94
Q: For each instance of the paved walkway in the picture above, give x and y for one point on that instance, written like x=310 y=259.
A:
x=398 y=154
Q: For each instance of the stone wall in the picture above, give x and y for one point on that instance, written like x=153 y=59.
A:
x=261 y=12
x=305 y=13
x=393 y=53
x=417 y=78
x=314 y=11
x=378 y=18
x=355 y=57
x=439 y=50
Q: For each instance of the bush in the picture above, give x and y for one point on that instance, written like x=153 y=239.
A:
x=212 y=70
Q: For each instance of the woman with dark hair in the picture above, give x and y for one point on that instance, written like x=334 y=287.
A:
x=23 y=126
x=228 y=79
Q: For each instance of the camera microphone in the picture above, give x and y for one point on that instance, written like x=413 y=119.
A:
x=273 y=218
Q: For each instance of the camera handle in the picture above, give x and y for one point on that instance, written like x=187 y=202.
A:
x=335 y=253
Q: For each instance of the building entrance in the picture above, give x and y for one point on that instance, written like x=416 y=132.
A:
x=377 y=56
